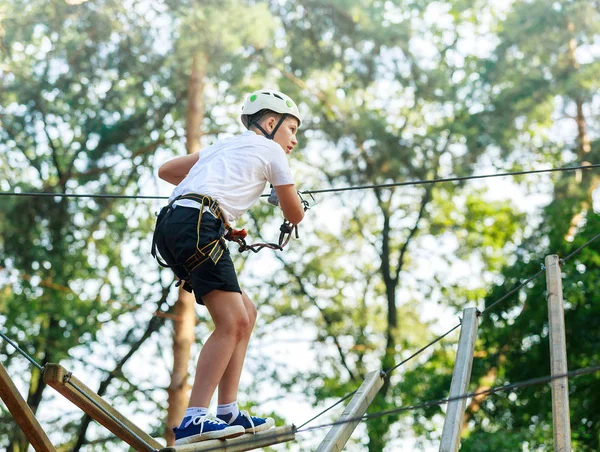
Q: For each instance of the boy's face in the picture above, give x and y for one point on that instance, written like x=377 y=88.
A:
x=286 y=134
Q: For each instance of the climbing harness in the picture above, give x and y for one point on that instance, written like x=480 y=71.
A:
x=215 y=249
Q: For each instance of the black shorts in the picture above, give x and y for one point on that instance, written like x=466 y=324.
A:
x=176 y=239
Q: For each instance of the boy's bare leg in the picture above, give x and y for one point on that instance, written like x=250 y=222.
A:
x=232 y=326
x=228 y=386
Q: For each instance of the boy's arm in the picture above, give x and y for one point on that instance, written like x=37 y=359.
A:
x=174 y=171
x=290 y=204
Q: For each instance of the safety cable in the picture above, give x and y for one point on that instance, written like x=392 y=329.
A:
x=543 y=269
x=325 y=190
x=67 y=380
x=329 y=408
x=385 y=373
x=449 y=179
x=585 y=245
x=427 y=404
x=388 y=372
x=494 y=390
x=22 y=352
x=108 y=413
x=504 y=297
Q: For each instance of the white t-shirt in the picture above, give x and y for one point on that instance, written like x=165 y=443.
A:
x=235 y=171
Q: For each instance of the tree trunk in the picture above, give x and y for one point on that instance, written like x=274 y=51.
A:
x=195 y=110
x=185 y=313
x=377 y=431
x=585 y=180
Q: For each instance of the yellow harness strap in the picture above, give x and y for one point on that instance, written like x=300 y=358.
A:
x=213 y=250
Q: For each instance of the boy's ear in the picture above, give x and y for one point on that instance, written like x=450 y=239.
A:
x=270 y=123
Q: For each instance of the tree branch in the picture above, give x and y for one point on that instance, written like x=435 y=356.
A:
x=326 y=318
x=156 y=322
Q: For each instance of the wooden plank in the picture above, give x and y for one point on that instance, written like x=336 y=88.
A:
x=245 y=442
x=461 y=377
x=65 y=383
x=23 y=414
x=338 y=436
x=558 y=356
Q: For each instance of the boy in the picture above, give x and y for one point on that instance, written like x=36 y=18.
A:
x=218 y=185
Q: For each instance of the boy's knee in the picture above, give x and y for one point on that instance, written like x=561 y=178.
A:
x=239 y=327
x=245 y=328
x=252 y=314
x=250 y=309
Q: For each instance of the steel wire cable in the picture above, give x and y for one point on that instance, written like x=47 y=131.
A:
x=451 y=179
x=329 y=408
x=386 y=373
x=21 y=351
x=486 y=310
x=494 y=390
x=366 y=417
x=504 y=297
x=422 y=349
x=578 y=250
x=324 y=190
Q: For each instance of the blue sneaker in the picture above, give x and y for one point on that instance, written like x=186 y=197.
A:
x=201 y=428
x=251 y=424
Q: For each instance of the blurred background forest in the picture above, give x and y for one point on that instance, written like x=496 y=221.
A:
x=95 y=95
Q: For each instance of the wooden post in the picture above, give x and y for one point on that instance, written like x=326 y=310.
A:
x=460 y=381
x=92 y=404
x=23 y=414
x=241 y=443
x=558 y=356
x=338 y=436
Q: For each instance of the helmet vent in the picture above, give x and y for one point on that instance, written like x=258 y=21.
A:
x=277 y=96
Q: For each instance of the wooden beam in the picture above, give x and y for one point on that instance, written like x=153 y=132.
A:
x=340 y=433
x=461 y=376
x=241 y=443
x=558 y=356
x=92 y=404
x=23 y=414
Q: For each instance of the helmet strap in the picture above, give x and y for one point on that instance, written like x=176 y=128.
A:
x=271 y=135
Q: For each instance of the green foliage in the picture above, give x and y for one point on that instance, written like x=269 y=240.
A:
x=78 y=114
x=92 y=96
x=530 y=75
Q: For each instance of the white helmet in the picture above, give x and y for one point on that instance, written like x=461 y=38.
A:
x=269 y=99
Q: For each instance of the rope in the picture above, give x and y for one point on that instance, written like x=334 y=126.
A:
x=543 y=269
x=327 y=409
x=450 y=179
x=81 y=391
x=387 y=372
x=497 y=389
x=325 y=190
x=427 y=404
x=514 y=290
x=22 y=352
x=110 y=415
x=80 y=195
x=585 y=245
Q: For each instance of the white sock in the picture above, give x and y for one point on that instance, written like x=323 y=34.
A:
x=196 y=411
x=229 y=408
